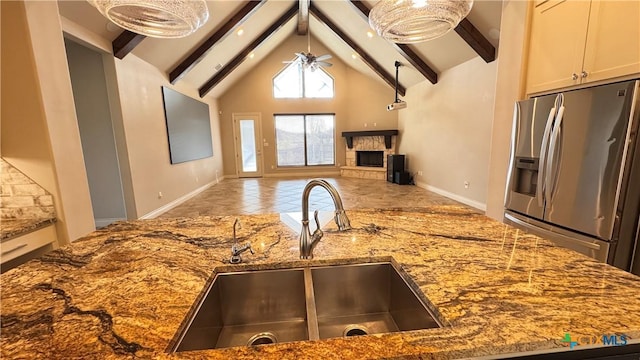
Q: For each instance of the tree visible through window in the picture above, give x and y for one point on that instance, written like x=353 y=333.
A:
x=305 y=140
x=298 y=81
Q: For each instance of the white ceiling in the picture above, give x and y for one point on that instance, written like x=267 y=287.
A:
x=440 y=54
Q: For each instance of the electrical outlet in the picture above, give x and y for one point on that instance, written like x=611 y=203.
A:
x=375 y=124
x=273 y=167
x=466 y=184
x=419 y=172
x=365 y=124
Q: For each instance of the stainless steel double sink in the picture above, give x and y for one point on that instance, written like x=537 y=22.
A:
x=309 y=303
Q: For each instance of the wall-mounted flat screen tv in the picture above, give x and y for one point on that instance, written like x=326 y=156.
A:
x=188 y=127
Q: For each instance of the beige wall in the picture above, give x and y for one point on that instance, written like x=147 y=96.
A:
x=39 y=130
x=40 y=133
x=96 y=132
x=137 y=111
x=140 y=95
x=509 y=89
x=359 y=99
x=445 y=131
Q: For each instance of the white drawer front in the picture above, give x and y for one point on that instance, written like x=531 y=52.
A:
x=23 y=244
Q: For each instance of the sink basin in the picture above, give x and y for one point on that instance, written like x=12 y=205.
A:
x=273 y=306
x=366 y=299
x=249 y=308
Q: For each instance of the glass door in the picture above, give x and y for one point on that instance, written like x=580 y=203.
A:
x=246 y=131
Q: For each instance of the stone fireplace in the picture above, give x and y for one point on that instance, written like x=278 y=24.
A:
x=370 y=158
x=366 y=153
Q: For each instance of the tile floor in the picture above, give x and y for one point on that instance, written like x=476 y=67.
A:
x=277 y=195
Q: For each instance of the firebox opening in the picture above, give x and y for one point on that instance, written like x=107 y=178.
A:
x=370 y=158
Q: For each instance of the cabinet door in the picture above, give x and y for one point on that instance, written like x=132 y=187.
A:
x=556 y=45
x=613 y=40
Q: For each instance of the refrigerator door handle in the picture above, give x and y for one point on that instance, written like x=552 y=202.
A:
x=512 y=154
x=540 y=187
x=551 y=175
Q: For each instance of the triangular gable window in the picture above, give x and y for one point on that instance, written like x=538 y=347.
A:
x=298 y=81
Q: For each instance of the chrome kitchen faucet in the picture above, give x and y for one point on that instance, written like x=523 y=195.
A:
x=307 y=240
x=236 y=248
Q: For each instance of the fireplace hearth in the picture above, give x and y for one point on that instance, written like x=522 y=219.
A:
x=370 y=158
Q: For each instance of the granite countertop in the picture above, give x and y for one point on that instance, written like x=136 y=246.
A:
x=16 y=227
x=124 y=290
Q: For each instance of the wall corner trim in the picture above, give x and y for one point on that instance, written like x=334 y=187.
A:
x=474 y=204
x=159 y=211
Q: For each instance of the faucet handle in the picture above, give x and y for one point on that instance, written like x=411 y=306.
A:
x=315 y=217
x=318 y=233
x=237 y=250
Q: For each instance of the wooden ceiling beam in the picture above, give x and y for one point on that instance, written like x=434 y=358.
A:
x=225 y=30
x=388 y=78
x=125 y=43
x=476 y=40
x=405 y=50
x=303 y=16
x=238 y=59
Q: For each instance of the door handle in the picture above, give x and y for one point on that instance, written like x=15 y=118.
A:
x=542 y=166
x=515 y=131
x=550 y=180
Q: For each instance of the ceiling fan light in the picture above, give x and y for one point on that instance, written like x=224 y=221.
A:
x=155 y=18
x=412 y=21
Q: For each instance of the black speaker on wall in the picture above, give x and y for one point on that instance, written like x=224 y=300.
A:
x=395 y=163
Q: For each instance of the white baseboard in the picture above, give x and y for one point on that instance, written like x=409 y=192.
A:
x=100 y=223
x=176 y=202
x=332 y=173
x=475 y=204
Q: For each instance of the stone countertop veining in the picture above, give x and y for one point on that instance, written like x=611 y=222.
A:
x=124 y=291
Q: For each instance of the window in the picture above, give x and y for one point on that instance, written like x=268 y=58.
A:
x=297 y=81
x=305 y=140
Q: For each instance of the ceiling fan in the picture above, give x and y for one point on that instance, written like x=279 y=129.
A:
x=309 y=60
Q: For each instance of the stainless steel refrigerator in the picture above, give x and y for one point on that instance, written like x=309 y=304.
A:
x=574 y=174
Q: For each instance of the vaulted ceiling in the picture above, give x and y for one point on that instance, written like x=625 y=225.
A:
x=216 y=56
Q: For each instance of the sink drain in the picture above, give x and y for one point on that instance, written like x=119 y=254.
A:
x=262 y=338
x=355 y=330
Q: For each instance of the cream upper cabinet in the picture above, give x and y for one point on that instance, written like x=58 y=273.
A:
x=573 y=42
x=556 y=44
x=613 y=40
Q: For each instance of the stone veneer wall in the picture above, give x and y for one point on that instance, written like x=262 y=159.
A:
x=21 y=197
x=367 y=143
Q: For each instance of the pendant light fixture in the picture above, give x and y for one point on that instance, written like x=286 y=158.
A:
x=412 y=21
x=155 y=18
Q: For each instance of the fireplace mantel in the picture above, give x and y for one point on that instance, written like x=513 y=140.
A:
x=349 y=135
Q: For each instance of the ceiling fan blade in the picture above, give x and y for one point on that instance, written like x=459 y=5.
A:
x=323 y=57
x=302 y=56
x=324 y=63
